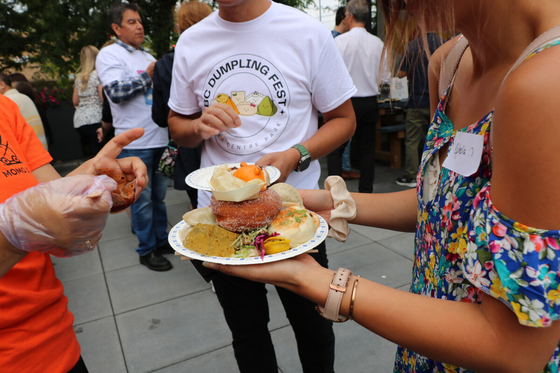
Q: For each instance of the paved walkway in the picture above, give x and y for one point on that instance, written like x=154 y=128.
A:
x=130 y=319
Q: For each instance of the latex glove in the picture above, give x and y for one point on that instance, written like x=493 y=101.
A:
x=63 y=217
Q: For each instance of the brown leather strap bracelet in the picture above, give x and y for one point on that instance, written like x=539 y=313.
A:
x=336 y=292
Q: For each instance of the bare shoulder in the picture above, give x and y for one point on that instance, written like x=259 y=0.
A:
x=525 y=135
x=531 y=91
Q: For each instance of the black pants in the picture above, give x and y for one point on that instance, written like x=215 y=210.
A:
x=362 y=151
x=88 y=134
x=80 y=367
x=246 y=311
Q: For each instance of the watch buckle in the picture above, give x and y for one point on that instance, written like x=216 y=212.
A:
x=338 y=288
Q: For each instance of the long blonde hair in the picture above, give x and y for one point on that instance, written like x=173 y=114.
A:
x=87 y=64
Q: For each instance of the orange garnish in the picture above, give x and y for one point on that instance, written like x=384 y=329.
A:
x=247 y=172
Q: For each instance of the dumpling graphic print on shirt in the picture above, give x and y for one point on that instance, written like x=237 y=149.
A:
x=255 y=98
x=247 y=109
x=225 y=99
x=266 y=107
x=255 y=103
x=258 y=92
x=238 y=97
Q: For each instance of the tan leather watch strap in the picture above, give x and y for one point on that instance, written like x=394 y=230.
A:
x=336 y=292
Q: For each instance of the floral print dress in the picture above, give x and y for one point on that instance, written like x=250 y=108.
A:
x=464 y=246
x=90 y=108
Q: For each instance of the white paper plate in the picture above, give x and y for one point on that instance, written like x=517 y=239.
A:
x=176 y=243
x=200 y=178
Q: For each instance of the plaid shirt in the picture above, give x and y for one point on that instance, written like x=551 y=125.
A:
x=122 y=90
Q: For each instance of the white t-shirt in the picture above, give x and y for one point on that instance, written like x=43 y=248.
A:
x=361 y=52
x=116 y=63
x=276 y=70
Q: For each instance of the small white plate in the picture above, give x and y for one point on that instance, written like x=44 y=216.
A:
x=176 y=243
x=200 y=178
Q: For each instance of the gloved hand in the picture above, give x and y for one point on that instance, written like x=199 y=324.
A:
x=63 y=217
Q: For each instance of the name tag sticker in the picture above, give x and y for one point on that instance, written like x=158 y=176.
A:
x=465 y=153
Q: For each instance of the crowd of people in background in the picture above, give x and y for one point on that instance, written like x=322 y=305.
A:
x=486 y=241
x=87 y=117
x=362 y=53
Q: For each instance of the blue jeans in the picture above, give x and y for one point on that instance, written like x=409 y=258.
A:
x=346 y=165
x=148 y=213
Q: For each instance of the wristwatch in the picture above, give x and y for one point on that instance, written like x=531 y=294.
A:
x=337 y=288
x=304 y=159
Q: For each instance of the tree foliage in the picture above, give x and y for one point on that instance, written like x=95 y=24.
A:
x=50 y=34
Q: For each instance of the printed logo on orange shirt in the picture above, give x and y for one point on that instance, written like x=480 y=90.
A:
x=7 y=155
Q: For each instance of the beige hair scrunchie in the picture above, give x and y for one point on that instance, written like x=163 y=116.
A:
x=344 y=208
